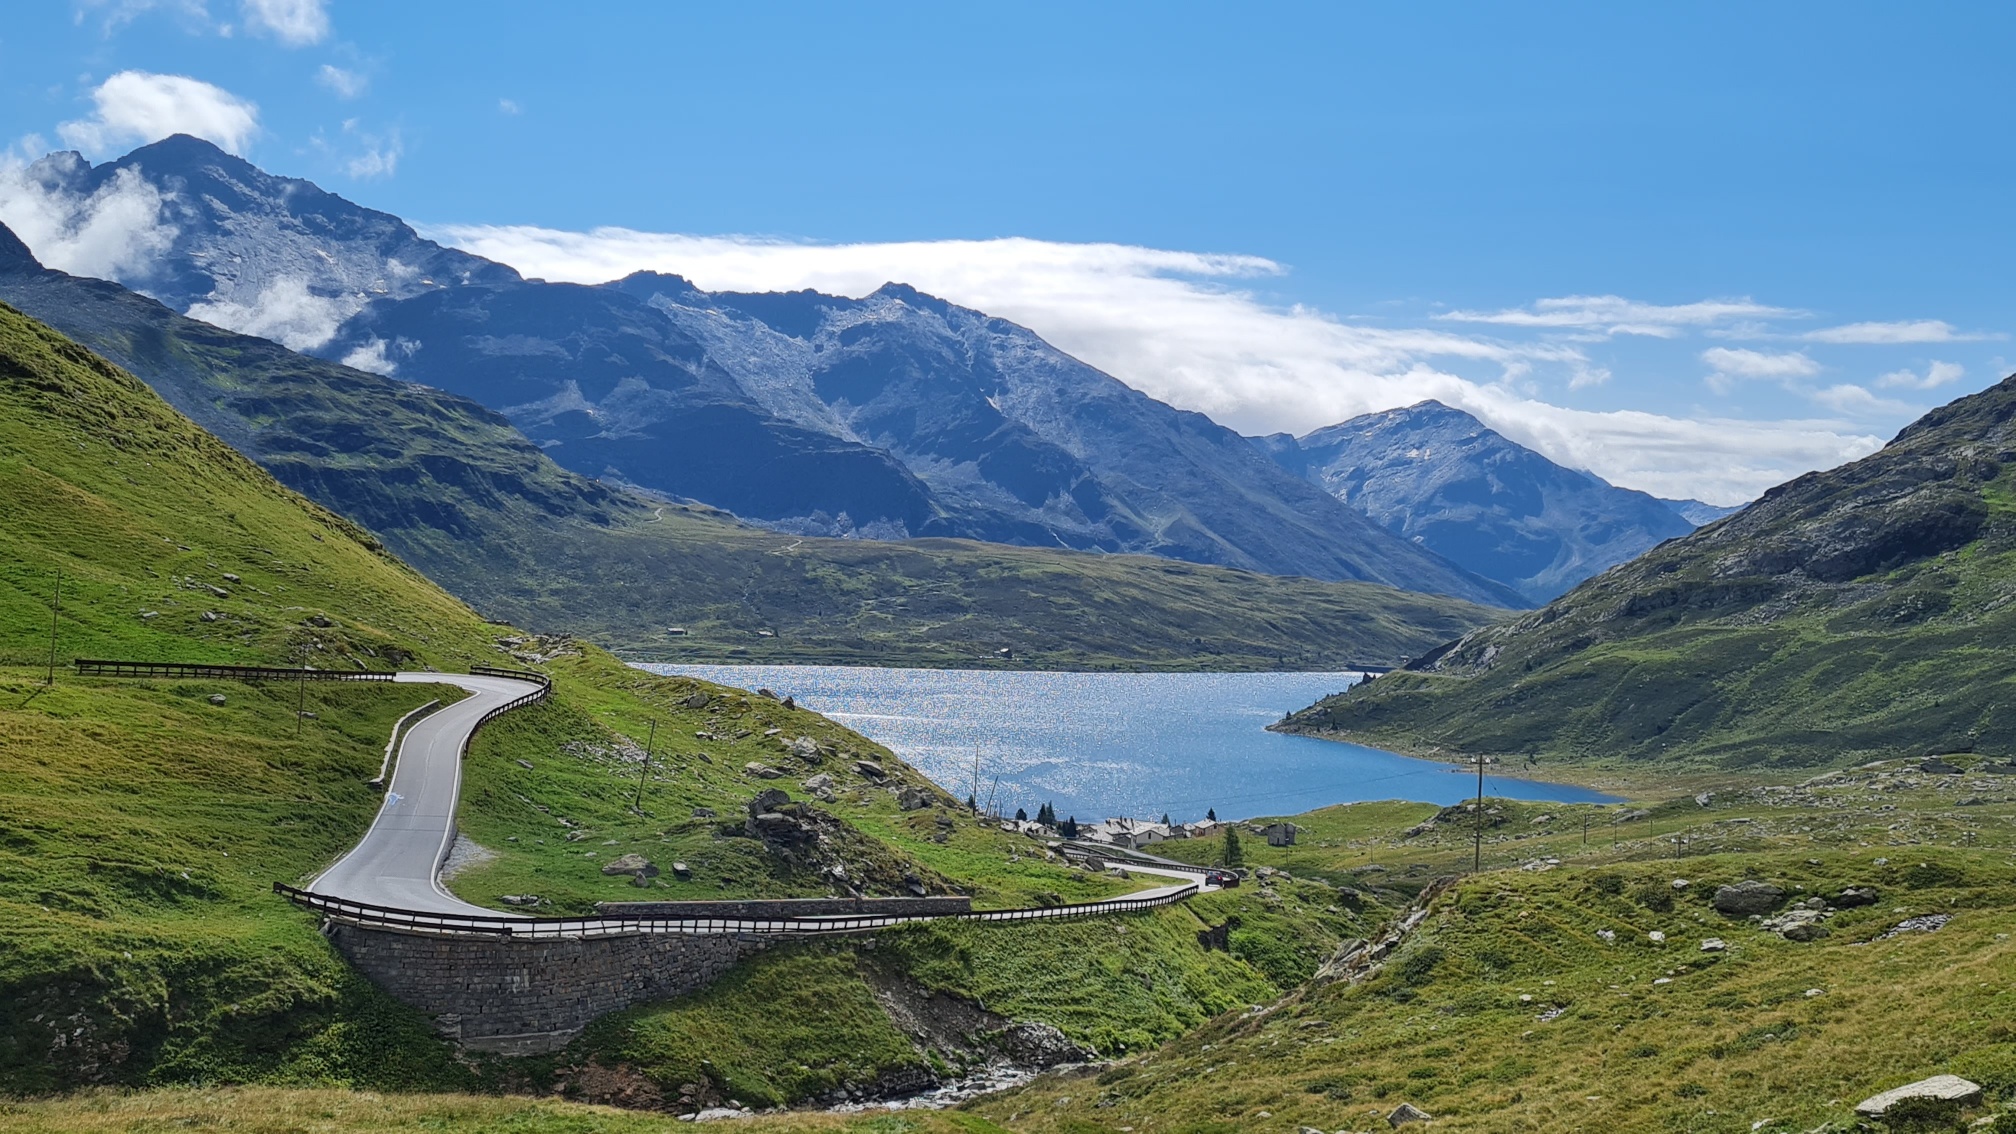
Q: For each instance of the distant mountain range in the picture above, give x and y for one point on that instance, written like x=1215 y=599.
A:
x=461 y=494
x=1441 y=478
x=893 y=415
x=1854 y=614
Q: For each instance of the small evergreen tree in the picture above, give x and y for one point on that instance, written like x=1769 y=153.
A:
x=1233 y=856
x=1047 y=815
x=1165 y=820
x=1070 y=828
x=1212 y=814
x=972 y=804
x=1021 y=815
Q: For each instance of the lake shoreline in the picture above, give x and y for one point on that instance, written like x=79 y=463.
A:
x=1102 y=745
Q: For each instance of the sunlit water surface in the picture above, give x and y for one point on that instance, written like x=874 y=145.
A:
x=1105 y=744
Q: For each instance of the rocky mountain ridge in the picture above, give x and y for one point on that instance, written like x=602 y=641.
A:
x=1441 y=478
x=1851 y=614
x=894 y=415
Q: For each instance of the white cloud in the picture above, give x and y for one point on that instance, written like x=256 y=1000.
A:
x=1175 y=325
x=1885 y=334
x=1609 y=315
x=286 y=312
x=140 y=106
x=1936 y=375
x=1856 y=401
x=380 y=157
x=342 y=83
x=1731 y=365
x=508 y=106
x=296 y=23
x=114 y=233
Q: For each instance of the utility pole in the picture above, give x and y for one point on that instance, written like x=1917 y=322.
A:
x=1585 y=828
x=301 y=701
x=650 y=742
x=55 y=615
x=1477 y=865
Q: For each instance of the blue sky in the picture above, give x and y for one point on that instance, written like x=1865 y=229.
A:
x=1695 y=249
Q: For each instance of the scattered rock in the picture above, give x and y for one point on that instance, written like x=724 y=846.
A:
x=1853 y=896
x=1923 y=924
x=1746 y=898
x=766 y=693
x=682 y=872
x=230 y=578
x=761 y=770
x=1937 y=766
x=804 y=748
x=703 y=813
x=216 y=698
x=1656 y=937
x=520 y=899
x=1631 y=817
x=913 y=798
x=696 y=701
x=525 y=764
x=220 y=592
x=1609 y=936
x=772 y=799
x=1681 y=883
x=632 y=864
x=870 y=769
x=1407 y=1112
x=145 y=615
x=1714 y=945
x=1040 y=1045
x=1705 y=798
x=821 y=787
x=209 y=616
x=1940 y=1092
x=915 y=885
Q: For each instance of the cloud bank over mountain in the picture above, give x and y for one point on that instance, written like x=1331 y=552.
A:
x=1186 y=327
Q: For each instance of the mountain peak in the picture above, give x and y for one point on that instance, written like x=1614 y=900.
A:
x=15 y=255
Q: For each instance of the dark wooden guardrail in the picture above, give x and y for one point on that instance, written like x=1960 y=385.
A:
x=93 y=667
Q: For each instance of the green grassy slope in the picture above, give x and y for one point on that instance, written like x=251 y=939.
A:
x=141 y=824
x=461 y=495
x=1852 y=614
x=1510 y=1011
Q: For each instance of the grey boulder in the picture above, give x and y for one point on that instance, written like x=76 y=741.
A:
x=1747 y=898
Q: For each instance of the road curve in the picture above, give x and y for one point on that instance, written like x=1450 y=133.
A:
x=398 y=862
x=397 y=865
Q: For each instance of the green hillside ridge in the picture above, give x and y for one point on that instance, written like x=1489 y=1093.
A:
x=459 y=493
x=141 y=824
x=1854 y=614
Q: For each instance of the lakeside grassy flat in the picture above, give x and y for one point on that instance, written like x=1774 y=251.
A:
x=1509 y=1010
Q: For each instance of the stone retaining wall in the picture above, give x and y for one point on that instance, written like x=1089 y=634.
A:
x=789 y=907
x=528 y=997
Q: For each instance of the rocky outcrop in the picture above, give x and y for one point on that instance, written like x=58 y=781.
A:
x=1749 y=897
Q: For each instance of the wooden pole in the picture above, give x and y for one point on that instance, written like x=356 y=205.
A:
x=650 y=742
x=1477 y=865
x=301 y=701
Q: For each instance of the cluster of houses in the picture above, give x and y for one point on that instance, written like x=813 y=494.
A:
x=1135 y=834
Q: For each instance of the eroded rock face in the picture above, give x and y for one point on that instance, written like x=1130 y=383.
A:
x=1747 y=898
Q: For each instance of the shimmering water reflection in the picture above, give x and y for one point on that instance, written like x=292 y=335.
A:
x=1101 y=744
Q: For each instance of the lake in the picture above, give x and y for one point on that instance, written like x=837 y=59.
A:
x=1107 y=744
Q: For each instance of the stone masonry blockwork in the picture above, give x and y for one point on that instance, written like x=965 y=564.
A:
x=528 y=997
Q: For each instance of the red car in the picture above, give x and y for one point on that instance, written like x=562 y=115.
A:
x=1224 y=878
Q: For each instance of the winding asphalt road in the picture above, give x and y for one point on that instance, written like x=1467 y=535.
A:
x=398 y=862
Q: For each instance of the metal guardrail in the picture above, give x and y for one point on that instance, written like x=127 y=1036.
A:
x=94 y=667
x=536 y=928
x=545 y=689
